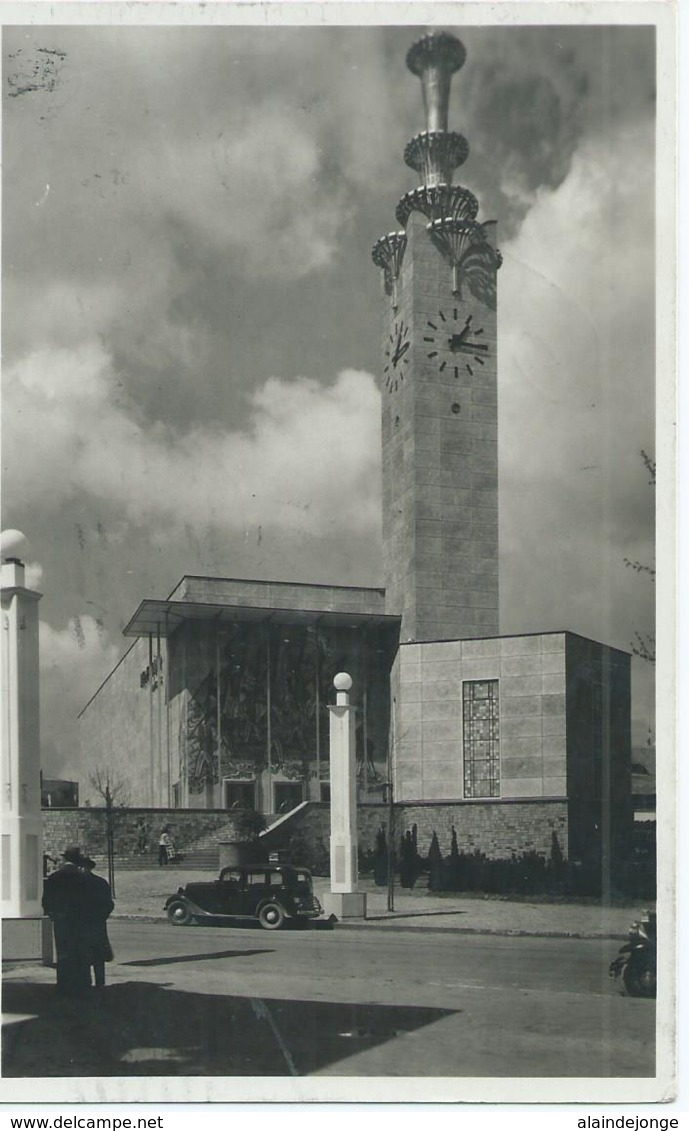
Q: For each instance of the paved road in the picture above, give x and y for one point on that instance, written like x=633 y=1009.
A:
x=356 y=1002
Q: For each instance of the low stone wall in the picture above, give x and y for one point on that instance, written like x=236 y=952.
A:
x=86 y=827
x=497 y=828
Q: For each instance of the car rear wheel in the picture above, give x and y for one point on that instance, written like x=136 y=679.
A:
x=179 y=914
x=271 y=916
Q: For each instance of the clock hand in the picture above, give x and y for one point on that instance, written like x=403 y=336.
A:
x=475 y=346
x=399 y=353
x=457 y=340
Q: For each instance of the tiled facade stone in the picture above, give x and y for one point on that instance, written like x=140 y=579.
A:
x=123 y=726
x=450 y=516
x=533 y=708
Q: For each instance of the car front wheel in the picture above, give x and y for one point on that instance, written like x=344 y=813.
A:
x=179 y=914
x=271 y=916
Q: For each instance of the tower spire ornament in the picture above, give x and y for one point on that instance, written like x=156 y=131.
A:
x=388 y=253
x=450 y=210
x=435 y=58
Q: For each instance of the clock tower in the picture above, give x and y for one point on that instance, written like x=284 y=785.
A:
x=439 y=368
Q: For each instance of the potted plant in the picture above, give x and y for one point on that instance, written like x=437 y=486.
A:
x=244 y=828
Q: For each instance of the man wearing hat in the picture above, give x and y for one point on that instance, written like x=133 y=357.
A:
x=66 y=901
x=99 y=906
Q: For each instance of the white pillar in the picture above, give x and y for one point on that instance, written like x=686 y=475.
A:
x=22 y=838
x=344 y=899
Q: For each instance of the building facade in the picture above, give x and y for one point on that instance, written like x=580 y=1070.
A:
x=222 y=699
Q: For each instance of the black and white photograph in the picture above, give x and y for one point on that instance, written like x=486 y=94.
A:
x=338 y=590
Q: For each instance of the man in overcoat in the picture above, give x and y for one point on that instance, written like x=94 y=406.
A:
x=99 y=906
x=65 y=900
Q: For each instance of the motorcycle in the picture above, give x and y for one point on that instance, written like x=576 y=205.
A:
x=636 y=961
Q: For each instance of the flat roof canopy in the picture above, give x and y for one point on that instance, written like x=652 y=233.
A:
x=165 y=616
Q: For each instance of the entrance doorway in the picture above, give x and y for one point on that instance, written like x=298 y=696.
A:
x=287 y=795
x=239 y=794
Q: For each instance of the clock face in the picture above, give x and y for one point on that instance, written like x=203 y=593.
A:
x=455 y=342
x=396 y=354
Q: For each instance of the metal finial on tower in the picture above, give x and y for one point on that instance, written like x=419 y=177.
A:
x=388 y=253
x=451 y=210
x=435 y=58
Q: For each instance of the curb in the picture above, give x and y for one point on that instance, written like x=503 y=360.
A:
x=381 y=925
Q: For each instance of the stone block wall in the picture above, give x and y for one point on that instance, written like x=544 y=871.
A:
x=496 y=828
x=599 y=751
x=86 y=827
x=124 y=726
x=532 y=707
x=440 y=452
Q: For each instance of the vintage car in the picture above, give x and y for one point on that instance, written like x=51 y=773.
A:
x=271 y=893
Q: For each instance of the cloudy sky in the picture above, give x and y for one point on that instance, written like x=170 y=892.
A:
x=191 y=319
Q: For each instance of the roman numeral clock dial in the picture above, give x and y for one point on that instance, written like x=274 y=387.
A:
x=396 y=352
x=463 y=342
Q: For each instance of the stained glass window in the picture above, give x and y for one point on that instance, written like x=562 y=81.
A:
x=481 y=705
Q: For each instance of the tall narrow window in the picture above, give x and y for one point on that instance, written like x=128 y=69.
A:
x=481 y=738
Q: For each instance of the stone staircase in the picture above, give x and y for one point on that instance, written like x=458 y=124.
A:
x=192 y=861
x=202 y=855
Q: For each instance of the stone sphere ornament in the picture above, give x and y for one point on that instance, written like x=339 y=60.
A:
x=13 y=545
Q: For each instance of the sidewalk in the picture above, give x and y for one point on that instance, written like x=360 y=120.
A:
x=142 y=895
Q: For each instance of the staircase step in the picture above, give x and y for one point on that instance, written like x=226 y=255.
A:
x=191 y=861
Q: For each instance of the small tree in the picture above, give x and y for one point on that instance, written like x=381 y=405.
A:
x=247 y=824
x=435 y=864
x=453 y=865
x=408 y=869
x=380 y=858
x=114 y=792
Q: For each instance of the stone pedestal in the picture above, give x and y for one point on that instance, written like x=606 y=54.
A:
x=28 y=940
x=345 y=904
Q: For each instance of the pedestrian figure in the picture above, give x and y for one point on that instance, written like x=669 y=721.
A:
x=142 y=837
x=99 y=906
x=65 y=900
x=166 y=848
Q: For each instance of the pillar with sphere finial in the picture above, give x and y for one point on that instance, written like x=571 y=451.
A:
x=24 y=929
x=344 y=900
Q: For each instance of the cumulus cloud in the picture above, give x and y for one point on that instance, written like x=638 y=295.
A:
x=308 y=460
x=189 y=211
x=527 y=120
x=74 y=660
x=577 y=367
x=34 y=575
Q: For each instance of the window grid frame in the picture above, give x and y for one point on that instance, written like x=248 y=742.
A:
x=481 y=739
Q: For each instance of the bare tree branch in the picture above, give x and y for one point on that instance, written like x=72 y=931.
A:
x=645 y=643
x=113 y=789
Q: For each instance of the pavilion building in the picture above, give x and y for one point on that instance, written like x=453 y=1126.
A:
x=221 y=700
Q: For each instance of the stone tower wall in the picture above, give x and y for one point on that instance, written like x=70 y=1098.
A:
x=440 y=454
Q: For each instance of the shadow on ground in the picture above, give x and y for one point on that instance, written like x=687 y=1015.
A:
x=253 y=924
x=209 y=955
x=141 y=1029
x=413 y=915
